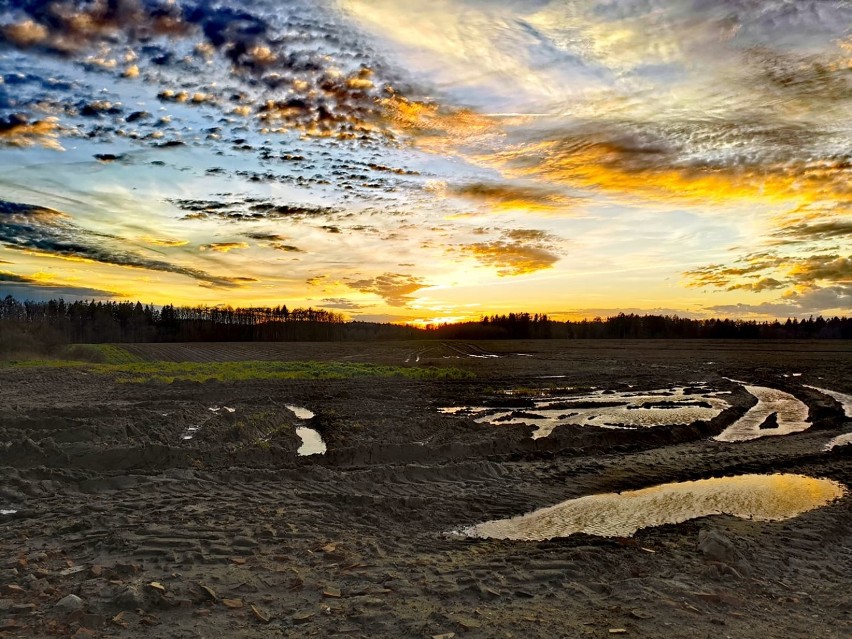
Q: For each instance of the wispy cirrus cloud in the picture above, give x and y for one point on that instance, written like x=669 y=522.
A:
x=29 y=227
x=32 y=288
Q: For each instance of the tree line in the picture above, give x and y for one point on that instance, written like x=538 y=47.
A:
x=46 y=326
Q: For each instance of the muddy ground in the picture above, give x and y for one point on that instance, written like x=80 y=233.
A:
x=231 y=534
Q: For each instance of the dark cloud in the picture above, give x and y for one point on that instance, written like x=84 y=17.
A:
x=249 y=210
x=829 y=230
x=795 y=304
x=395 y=288
x=506 y=195
x=35 y=228
x=341 y=303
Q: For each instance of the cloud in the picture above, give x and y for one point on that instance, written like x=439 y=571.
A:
x=511 y=258
x=224 y=247
x=396 y=289
x=36 y=289
x=18 y=130
x=33 y=228
x=518 y=252
x=274 y=241
x=827 y=230
x=510 y=196
x=249 y=210
x=771 y=270
x=341 y=303
x=825 y=300
x=166 y=242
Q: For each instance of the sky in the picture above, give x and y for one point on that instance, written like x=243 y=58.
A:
x=430 y=160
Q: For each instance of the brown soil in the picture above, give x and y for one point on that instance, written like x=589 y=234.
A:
x=227 y=535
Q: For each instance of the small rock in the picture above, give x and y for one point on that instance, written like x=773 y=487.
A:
x=70 y=603
x=156 y=585
x=128 y=599
x=13 y=589
x=716 y=547
x=96 y=571
x=618 y=631
x=445 y=635
x=233 y=603
x=332 y=592
x=261 y=616
x=303 y=616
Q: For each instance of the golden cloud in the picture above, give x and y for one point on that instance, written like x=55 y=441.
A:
x=224 y=247
x=503 y=196
x=396 y=289
x=511 y=259
x=17 y=130
x=770 y=270
x=654 y=174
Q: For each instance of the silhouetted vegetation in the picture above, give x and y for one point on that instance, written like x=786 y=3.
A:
x=50 y=327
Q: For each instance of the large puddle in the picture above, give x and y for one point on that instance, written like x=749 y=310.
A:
x=776 y=413
x=759 y=497
x=608 y=409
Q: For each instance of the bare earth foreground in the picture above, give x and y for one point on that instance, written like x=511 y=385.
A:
x=231 y=534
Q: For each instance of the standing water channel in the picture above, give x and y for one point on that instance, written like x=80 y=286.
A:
x=759 y=497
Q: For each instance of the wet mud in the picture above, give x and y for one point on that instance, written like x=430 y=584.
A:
x=114 y=524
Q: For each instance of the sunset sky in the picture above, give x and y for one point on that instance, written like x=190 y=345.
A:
x=430 y=160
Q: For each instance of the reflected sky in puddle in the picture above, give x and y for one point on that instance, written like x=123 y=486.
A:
x=608 y=409
x=312 y=443
x=790 y=413
x=758 y=497
x=7 y=511
x=299 y=411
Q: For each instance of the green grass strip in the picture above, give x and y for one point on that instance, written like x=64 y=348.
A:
x=146 y=372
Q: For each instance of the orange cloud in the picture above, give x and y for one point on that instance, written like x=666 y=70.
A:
x=224 y=247
x=17 y=130
x=652 y=174
x=503 y=196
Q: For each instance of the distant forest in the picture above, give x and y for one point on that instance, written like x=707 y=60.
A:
x=44 y=327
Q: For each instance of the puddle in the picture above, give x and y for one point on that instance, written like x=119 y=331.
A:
x=607 y=409
x=7 y=511
x=842 y=398
x=312 y=443
x=791 y=416
x=299 y=412
x=758 y=497
x=227 y=409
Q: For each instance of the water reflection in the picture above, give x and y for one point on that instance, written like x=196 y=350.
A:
x=790 y=414
x=312 y=443
x=760 y=497
x=608 y=409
